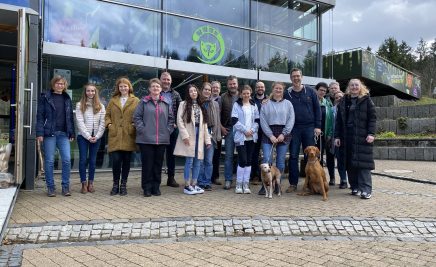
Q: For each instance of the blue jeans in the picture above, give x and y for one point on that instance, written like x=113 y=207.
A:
x=280 y=158
x=300 y=136
x=229 y=147
x=61 y=141
x=206 y=167
x=86 y=147
x=192 y=162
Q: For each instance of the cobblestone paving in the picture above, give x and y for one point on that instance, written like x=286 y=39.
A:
x=224 y=227
x=238 y=252
x=421 y=170
x=391 y=198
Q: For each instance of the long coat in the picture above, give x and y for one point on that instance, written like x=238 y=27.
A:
x=364 y=125
x=119 y=122
x=187 y=130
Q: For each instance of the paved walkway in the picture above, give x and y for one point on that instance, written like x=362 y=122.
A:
x=401 y=217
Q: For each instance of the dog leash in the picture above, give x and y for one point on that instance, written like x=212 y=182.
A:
x=271 y=153
x=316 y=138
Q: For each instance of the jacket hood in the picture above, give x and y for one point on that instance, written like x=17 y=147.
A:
x=239 y=101
x=148 y=98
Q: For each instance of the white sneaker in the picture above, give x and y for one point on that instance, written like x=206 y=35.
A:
x=189 y=190
x=246 y=188
x=238 y=189
x=198 y=190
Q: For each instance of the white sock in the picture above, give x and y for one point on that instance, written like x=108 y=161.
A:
x=240 y=174
x=247 y=174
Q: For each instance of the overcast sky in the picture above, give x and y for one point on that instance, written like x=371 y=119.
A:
x=363 y=23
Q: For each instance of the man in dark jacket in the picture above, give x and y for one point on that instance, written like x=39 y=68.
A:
x=259 y=97
x=307 y=122
x=173 y=98
x=55 y=128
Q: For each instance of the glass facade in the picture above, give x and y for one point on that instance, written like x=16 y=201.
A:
x=272 y=36
x=249 y=34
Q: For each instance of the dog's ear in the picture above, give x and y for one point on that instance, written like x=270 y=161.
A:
x=306 y=150
x=318 y=153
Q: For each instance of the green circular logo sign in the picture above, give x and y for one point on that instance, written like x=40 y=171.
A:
x=212 y=49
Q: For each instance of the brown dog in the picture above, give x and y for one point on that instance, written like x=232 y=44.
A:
x=315 y=176
x=270 y=179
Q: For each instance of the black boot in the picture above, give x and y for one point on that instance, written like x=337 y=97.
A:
x=171 y=181
x=147 y=190
x=123 y=187
x=155 y=191
x=116 y=187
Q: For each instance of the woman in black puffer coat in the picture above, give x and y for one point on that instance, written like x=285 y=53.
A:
x=355 y=130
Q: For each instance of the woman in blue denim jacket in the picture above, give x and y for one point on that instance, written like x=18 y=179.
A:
x=245 y=121
x=55 y=128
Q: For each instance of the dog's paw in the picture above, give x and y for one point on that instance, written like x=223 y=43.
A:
x=270 y=197
x=266 y=196
x=325 y=199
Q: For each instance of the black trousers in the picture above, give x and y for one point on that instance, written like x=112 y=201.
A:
x=121 y=165
x=330 y=158
x=216 y=162
x=245 y=154
x=171 y=159
x=255 y=170
x=152 y=160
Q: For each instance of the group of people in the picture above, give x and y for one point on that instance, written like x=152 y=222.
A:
x=341 y=125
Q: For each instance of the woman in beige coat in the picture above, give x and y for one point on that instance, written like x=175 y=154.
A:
x=193 y=136
x=122 y=134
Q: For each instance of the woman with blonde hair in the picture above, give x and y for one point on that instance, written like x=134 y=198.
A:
x=90 y=123
x=122 y=133
x=355 y=131
x=55 y=128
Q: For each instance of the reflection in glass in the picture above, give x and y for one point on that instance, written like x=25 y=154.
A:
x=197 y=41
x=226 y=11
x=292 y=18
x=280 y=54
x=101 y=25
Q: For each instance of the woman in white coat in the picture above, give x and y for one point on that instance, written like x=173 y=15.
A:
x=193 y=136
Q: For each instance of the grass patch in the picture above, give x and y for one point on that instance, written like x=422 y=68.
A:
x=392 y=135
x=423 y=101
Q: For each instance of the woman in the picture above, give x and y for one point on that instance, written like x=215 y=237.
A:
x=193 y=136
x=214 y=129
x=90 y=123
x=154 y=122
x=277 y=119
x=55 y=128
x=355 y=130
x=339 y=151
x=119 y=121
x=325 y=140
x=245 y=118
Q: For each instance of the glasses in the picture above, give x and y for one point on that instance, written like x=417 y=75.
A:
x=322 y=90
x=60 y=83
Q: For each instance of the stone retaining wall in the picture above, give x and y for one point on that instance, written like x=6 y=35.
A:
x=414 y=125
x=392 y=113
x=405 y=149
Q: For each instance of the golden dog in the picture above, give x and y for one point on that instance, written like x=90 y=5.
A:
x=315 y=176
x=270 y=179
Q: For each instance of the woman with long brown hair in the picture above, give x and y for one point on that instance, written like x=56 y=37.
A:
x=193 y=137
x=122 y=133
x=90 y=123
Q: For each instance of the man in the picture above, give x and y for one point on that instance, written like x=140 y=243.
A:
x=259 y=98
x=216 y=89
x=307 y=122
x=226 y=104
x=339 y=152
x=173 y=97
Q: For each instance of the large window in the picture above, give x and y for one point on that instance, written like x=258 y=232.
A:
x=291 y=18
x=226 y=11
x=102 y=25
x=281 y=54
x=80 y=71
x=197 y=41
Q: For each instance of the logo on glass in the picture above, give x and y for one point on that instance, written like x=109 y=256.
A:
x=212 y=45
